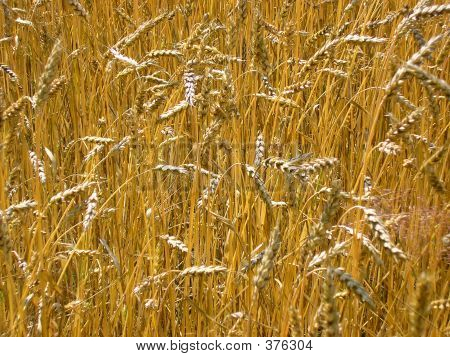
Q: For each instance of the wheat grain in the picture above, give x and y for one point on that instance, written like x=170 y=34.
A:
x=78 y=8
x=440 y=304
x=69 y=193
x=175 y=243
x=328 y=315
x=381 y=232
x=38 y=166
x=171 y=168
x=259 y=184
x=337 y=249
x=173 y=111
x=421 y=306
x=268 y=261
x=203 y=270
x=20 y=207
x=5 y=241
x=49 y=74
x=90 y=210
x=143 y=28
x=354 y=286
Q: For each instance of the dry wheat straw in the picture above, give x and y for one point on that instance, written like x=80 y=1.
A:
x=299 y=76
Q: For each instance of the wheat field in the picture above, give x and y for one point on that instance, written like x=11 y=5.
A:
x=224 y=168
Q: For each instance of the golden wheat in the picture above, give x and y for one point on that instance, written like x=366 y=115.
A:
x=209 y=168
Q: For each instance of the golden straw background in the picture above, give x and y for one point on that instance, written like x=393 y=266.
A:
x=224 y=168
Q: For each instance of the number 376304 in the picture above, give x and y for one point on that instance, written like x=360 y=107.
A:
x=293 y=345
